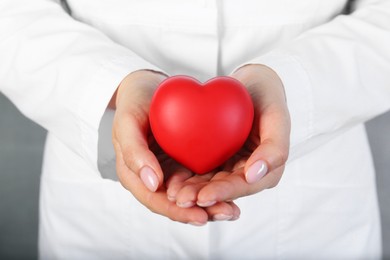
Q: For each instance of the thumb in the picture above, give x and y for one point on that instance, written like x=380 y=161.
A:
x=272 y=153
x=272 y=121
x=130 y=141
x=265 y=159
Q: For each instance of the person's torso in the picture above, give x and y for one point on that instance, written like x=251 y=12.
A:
x=203 y=38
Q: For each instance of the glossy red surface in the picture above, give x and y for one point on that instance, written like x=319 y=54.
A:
x=201 y=125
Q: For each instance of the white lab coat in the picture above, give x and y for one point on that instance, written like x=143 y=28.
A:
x=62 y=71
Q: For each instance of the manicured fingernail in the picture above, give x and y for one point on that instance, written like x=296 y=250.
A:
x=149 y=178
x=206 y=204
x=198 y=224
x=187 y=204
x=256 y=171
x=171 y=194
x=222 y=217
x=171 y=198
x=235 y=218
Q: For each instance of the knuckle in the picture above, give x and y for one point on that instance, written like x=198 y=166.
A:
x=281 y=156
x=276 y=177
x=130 y=158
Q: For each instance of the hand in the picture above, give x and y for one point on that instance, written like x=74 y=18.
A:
x=141 y=164
x=260 y=163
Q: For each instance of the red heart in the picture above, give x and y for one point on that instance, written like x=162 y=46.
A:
x=201 y=125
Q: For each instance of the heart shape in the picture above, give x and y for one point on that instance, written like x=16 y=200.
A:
x=201 y=125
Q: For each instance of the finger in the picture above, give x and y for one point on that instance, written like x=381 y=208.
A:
x=131 y=126
x=187 y=192
x=236 y=211
x=272 y=120
x=223 y=211
x=175 y=182
x=187 y=196
x=232 y=186
x=272 y=153
x=158 y=202
x=130 y=138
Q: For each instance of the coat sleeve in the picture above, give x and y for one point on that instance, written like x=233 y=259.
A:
x=59 y=72
x=336 y=75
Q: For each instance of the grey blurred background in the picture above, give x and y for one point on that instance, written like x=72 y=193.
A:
x=21 y=146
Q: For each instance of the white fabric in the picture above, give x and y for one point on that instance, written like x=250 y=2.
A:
x=61 y=71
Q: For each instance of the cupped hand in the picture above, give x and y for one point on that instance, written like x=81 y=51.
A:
x=260 y=163
x=141 y=164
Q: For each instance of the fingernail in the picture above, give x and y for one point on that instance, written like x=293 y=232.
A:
x=256 y=171
x=171 y=198
x=206 y=204
x=187 y=204
x=149 y=178
x=171 y=195
x=222 y=217
x=198 y=224
x=235 y=218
